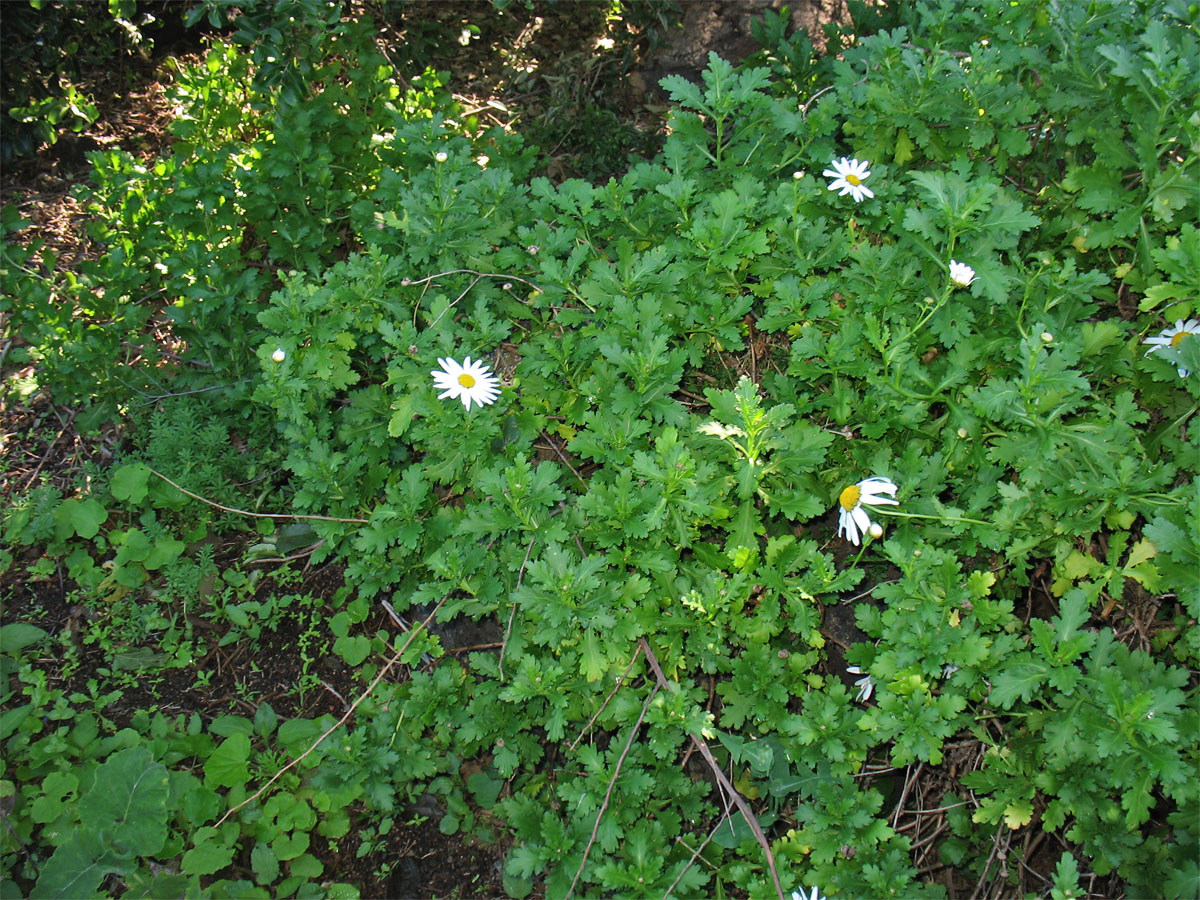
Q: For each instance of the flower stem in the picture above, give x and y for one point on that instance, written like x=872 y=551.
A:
x=903 y=515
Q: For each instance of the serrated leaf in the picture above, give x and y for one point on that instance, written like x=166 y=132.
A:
x=402 y=416
x=1018 y=814
x=265 y=863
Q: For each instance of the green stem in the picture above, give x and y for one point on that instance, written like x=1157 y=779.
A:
x=902 y=515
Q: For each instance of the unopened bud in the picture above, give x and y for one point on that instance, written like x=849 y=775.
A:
x=278 y=355
x=876 y=530
x=1047 y=337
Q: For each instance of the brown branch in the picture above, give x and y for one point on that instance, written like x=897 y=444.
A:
x=616 y=687
x=242 y=512
x=346 y=715
x=611 y=784
x=722 y=779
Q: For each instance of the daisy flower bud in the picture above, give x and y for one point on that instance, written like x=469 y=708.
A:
x=441 y=156
x=279 y=356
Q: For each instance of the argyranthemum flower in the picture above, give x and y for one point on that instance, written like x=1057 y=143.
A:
x=848 y=176
x=961 y=274
x=865 y=685
x=805 y=895
x=852 y=518
x=470 y=382
x=279 y=355
x=1174 y=337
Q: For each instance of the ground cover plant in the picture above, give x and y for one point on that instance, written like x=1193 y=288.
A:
x=823 y=490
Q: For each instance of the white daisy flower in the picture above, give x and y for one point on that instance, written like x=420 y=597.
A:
x=961 y=274
x=279 y=355
x=469 y=382
x=805 y=895
x=852 y=518
x=848 y=176
x=865 y=685
x=1174 y=337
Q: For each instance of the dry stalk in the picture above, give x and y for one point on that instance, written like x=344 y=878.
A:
x=340 y=722
x=722 y=779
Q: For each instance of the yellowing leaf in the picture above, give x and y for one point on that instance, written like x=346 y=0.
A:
x=1018 y=813
x=1140 y=552
x=746 y=787
x=955 y=619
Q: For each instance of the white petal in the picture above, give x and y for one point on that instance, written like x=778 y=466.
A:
x=861 y=519
x=846 y=526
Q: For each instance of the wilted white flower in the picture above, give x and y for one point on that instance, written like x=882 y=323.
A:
x=948 y=670
x=469 y=382
x=848 y=176
x=961 y=274
x=805 y=895
x=278 y=355
x=441 y=156
x=865 y=685
x=852 y=518
x=1174 y=337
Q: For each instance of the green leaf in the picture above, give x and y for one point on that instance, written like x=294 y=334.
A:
x=352 y=648
x=128 y=803
x=289 y=846
x=228 y=764
x=129 y=483
x=210 y=854
x=1018 y=679
x=11 y=718
x=485 y=789
x=294 y=536
x=19 y=635
x=591 y=658
x=402 y=416
x=265 y=863
x=79 y=517
x=76 y=869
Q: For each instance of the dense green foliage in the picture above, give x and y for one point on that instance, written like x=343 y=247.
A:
x=697 y=359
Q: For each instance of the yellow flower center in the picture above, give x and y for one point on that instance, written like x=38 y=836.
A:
x=466 y=380
x=1178 y=339
x=854 y=180
x=850 y=496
